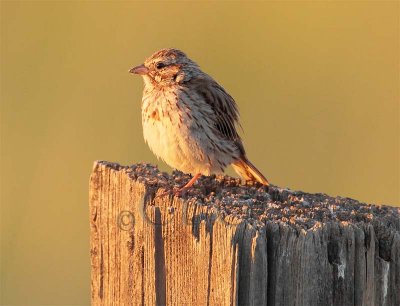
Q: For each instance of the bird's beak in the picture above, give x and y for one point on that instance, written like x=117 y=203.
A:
x=142 y=69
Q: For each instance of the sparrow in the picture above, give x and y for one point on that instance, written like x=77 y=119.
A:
x=189 y=120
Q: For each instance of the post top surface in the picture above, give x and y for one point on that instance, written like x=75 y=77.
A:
x=254 y=202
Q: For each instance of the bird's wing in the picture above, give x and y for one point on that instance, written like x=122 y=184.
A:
x=223 y=106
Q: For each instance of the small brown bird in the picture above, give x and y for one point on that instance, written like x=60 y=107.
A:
x=189 y=120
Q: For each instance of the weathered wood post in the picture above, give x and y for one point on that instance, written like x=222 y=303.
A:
x=226 y=244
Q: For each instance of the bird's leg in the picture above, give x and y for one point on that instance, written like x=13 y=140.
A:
x=189 y=184
x=184 y=188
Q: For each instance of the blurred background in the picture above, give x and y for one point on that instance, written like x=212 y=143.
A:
x=317 y=84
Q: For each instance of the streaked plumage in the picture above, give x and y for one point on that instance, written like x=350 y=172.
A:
x=189 y=120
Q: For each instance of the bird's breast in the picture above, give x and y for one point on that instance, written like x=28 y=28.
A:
x=162 y=126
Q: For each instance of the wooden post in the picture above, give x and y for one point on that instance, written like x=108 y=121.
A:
x=225 y=244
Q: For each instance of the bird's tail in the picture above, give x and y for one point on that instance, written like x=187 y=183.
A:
x=248 y=171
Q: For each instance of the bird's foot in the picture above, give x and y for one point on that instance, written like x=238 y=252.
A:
x=182 y=190
x=175 y=191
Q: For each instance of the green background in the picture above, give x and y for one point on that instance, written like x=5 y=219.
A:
x=317 y=84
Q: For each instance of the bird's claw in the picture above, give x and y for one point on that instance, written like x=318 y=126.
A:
x=175 y=191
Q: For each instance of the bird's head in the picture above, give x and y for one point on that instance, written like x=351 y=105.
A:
x=166 y=67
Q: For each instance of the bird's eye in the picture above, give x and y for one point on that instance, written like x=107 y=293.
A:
x=160 y=65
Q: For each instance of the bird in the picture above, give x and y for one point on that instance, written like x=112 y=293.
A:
x=189 y=120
